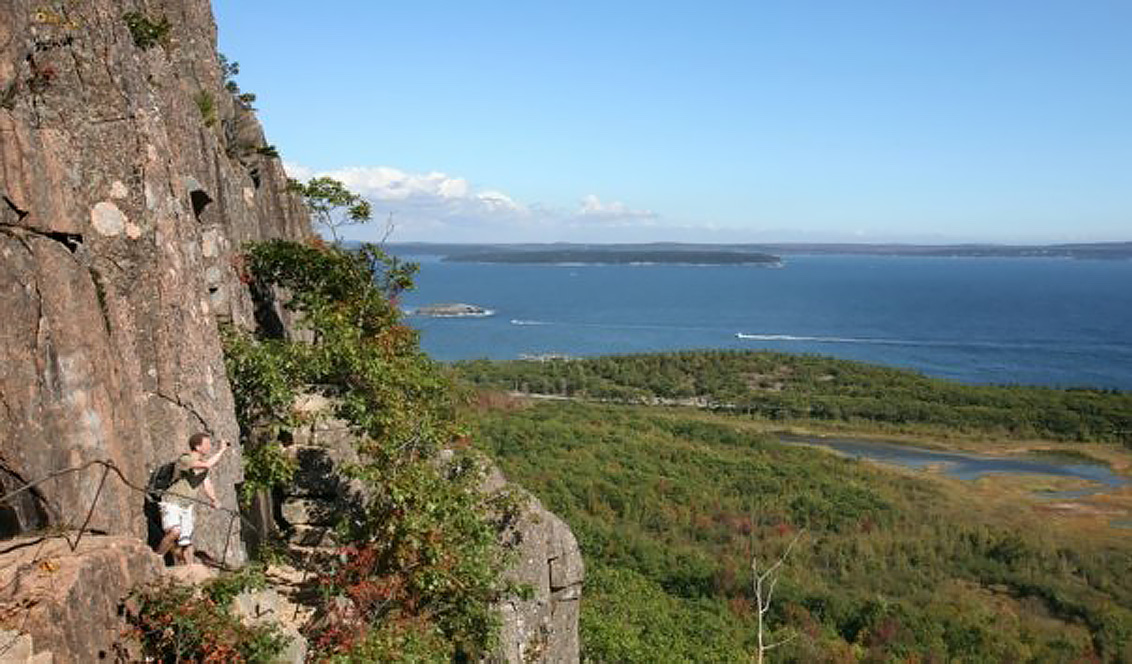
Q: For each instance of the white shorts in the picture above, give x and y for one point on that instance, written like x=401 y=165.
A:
x=175 y=516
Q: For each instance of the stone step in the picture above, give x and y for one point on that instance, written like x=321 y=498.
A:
x=190 y=574
x=257 y=607
x=308 y=511
x=16 y=648
x=313 y=536
x=312 y=557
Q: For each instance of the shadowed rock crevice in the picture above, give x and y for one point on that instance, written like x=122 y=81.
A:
x=73 y=242
x=24 y=512
x=267 y=312
x=20 y=214
x=185 y=407
x=200 y=200
x=100 y=293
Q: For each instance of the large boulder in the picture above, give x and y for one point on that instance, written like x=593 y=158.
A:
x=268 y=607
x=67 y=601
x=17 y=648
x=543 y=627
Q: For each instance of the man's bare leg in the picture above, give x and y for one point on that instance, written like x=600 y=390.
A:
x=188 y=554
x=171 y=536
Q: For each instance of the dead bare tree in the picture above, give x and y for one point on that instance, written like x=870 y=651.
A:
x=388 y=230
x=763 y=584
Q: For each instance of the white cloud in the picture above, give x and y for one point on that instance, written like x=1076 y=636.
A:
x=297 y=171
x=438 y=207
x=497 y=200
x=382 y=183
x=592 y=206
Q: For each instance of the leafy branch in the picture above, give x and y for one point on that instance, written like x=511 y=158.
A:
x=331 y=204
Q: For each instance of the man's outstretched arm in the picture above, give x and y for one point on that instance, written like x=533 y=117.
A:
x=212 y=460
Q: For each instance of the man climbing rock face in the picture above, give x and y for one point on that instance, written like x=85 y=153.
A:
x=190 y=480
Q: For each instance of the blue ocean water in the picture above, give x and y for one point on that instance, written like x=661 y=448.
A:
x=979 y=320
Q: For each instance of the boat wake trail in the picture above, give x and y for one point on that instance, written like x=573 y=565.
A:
x=1052 y=345
x=832 y=340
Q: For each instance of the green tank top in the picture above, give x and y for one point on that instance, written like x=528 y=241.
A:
x=186 y=480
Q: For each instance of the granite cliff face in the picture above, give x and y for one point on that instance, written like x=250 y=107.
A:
x=129 y=178
x=121 y=204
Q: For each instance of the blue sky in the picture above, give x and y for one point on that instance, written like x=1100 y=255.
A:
x=793 y=120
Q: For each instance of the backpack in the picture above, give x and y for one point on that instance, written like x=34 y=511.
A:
x=160 y=480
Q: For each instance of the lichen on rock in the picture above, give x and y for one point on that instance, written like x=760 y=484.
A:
x=108 y=353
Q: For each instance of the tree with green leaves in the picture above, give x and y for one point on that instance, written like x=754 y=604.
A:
x=332 y=204
x=421 y=563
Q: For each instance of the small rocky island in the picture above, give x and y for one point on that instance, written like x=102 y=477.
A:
x=453 y=310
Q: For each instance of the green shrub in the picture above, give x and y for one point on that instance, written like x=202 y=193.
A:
x=207 y=107
x=147 y=32
x=224 y=588
x=397 y=639
x=180 y=623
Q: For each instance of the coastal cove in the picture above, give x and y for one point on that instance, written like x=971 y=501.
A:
x=1042 y=321
x=1094 y=477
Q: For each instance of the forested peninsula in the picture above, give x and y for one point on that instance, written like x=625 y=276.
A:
x=1079 y=251
x=620 y=257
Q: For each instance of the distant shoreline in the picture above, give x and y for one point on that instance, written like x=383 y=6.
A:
x=747 y=253
x=619 y=257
